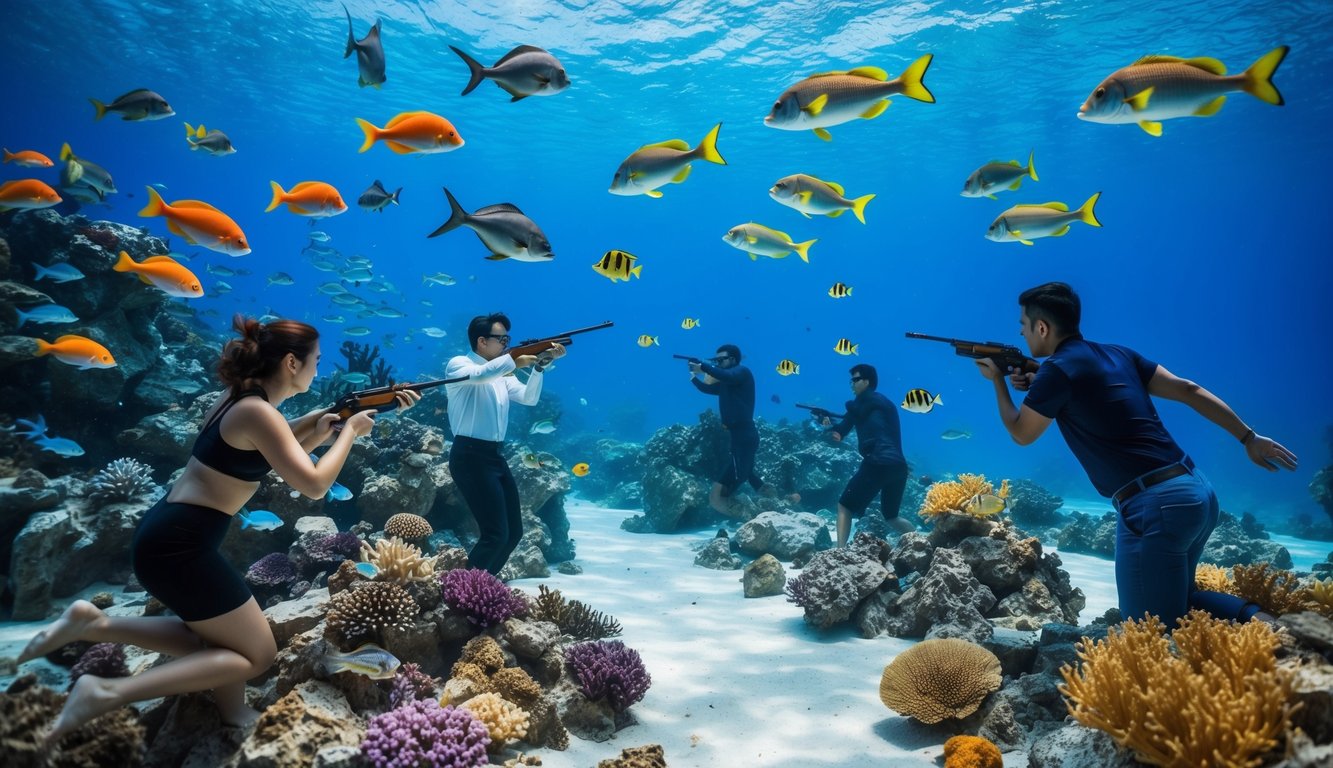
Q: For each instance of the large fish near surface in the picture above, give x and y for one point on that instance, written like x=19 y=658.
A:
x=832 y=98
x=369 y=54
x=668 y=162
x=502 y=228
x=810 y=195
x=1157 y=88
x=199 y=223
x=1025 y=223
x=525 y=71
x=80 y=171
x=139 y=104
x=758 y=240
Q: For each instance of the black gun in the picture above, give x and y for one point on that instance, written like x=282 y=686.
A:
x=1008 y=358
x=696 y=360
x=820 y=413
x=381 y=399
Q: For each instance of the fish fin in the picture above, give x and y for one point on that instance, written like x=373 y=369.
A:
x=803 y=213
x=874 y=73
x=1207 y=64
x=1211 y=108
x=836 y=187
x=859 y=207
x=653 y=194
x=401 y=116
x=156 y=206
x=65 y=152
x=1014 y=163
x=1017 y=183
x=914 y=80
x=394 y=199
x=1032 y=169
x=680 y=144
x=815 y=107
x=175 y=229
x=754 y=257
x=1258 y=79
x=519 y=97
x=1154 y=58
x=684 y=174
x=245 y=521
x=496 y=257
x=1061 y=232
x=1025 y=242
x=189 y=131
x=456 y=215
x=637 y=272
x=277 y=196
x=1151 y=128
x=707 y=149
x=834 y=214
x=803 y=250
x=937 y=400
x=144 y=279
x=200 y=204
x=1056 y=206
x=805 y=196
x=372 y=134
x=1139 y=101
x=854 y=348
x=823 y=134
x=351 y=36
x=159 y=260
x=876 y=109
x=124 y=263
x=100 y=107
x=520 y=50
x=1087 y=214
x=399 y=148
x=751 y=239
x=993 y=197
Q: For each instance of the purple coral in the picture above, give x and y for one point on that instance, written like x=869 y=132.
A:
x=798 y=591
x=423 y=734
x=606 y=669
x=275 y=570
x=100 y=660
x=480 y=596
x=330 y=550
x=409 y=685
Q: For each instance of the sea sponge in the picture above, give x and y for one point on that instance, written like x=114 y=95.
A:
x=1278 y=591
x=423 y=733
x=398 y=561
x=100 y=660
x=121 y=480
x=361 y=613
x=939 y=679
x=1220 y=700
x=116 y=738
x=971 y=752
x=607 y=670
x=504 y=720
x=516 y=685
x=406 y=525
x=479 y=596
x=484 y=652
x=272 y=571
x=952 y=495
x=573 y=617
x=1213 y=578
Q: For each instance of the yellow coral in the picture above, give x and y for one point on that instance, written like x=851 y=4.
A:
x=1220 y=702
x=971 y=752
x=504 y=720
x=398 y=561
x=1213 y=579
x=952 y=495
x=938 y=679
x=1278 y=591
x=1321 y=598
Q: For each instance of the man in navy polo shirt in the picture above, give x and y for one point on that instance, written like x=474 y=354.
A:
x=1098 y=394
x=734 y=386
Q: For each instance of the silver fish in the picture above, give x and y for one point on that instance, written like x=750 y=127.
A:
x=85 y=172
x=502 y=228
x=1025 y=223
x=808 y=195
x=525 y=71
x=377 y=197
x=370 y=660
x=213 y=142
x=139 y=104
x=667 y=162
x=995 y=176
x=832 y=98
x=369 y=54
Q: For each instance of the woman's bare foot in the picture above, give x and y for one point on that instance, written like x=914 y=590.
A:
x=92 y=696
x=63 y=631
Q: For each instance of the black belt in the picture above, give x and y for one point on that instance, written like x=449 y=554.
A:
x=477 y=442
x=1145 y=481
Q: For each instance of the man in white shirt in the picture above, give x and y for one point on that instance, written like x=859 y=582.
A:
x=479 y=416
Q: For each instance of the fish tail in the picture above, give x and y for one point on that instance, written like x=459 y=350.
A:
x=859 y=207
x=1086 y=214
x=100 y=107
x=245 y=521
x=914 y=80
x=155 y=207
x=65 y=152
x=43 y=347
x=8 y=155
x=456 y=216
x=707 y=149
x=351 y=36
x=1032 y=169
x=636 y=272
x=124 y=263
x=278 y=194
x=372 y=134
x=1258 y=80
x=476 y=71
x=803 y=249
x=39 y=271
x=937 y=400
x=396 y=193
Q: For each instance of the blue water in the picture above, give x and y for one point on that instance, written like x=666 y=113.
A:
x=1214 y=258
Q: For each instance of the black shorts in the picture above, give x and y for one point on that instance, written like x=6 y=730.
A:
x=870 y=480
x=740 y=465
x=176 y=559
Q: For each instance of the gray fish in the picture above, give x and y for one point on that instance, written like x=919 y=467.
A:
x=47 y=314
x=995 y=175
x=281 y=278
x=369 y=53
x=502 y=228
x=369 y=660
x=525 y=71
x=85 y=172
x=139 y=104
x=60 y=272
x=377 y=197
x=213 y=142
x=219 y=270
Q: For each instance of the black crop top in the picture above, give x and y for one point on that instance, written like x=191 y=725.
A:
x=215 y=453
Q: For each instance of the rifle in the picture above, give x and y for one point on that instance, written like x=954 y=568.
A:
x=381 y=399
x=1006 y=357
x=695 y=360
x=819 y=413
x=538 y=346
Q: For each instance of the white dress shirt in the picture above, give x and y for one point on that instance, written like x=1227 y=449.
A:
x=479 y=407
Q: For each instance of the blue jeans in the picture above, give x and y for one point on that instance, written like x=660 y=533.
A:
x=1160 y=535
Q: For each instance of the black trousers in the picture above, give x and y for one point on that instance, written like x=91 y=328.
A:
x=488 y=487
x=740 y=468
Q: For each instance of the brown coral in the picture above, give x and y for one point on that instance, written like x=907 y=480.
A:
x=504 y=720
x=971 y=752
x=517 y=686
x=398 y=561
x=952 y=495
x=361 y=613
x=1221 y=701
x=647 y=756
x=939 y=679
x=484 y=652
x=406 y=525
x=1213 y=578
x=572 y=617
x=116 y=738
x=1277 y=591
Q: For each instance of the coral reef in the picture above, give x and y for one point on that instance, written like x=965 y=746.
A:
x=398 y=561
x=836 y=581
x=1220 y=696
x=121 y=480
x=409 y=685
x=971 y=752
x=100 y=660
x=939 y=679
x=952 y=495
x=1034 y=506
x=329 y=550
x=607 y=670
x=359 y=359
x=504 y=720
x=1277 y=591
x=574 y=618
x=274 y=571
x=1212 y=578
x=406 y=525
x=114 y=739
x=423 y=733
x=647 y=756
x=361 y=613
x=480 y=596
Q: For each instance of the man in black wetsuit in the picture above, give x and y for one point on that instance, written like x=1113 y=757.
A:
x=734 y=386
x=883 y=469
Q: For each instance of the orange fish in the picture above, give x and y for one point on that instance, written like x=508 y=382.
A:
x=28 y=158
x=163 y=273
x=28 y=194
x=78 y=351
x=199 y=223
x=581 y=469
x=410 y=132
x=309 y=198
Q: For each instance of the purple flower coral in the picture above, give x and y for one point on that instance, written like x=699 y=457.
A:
x=409 y=685
x=100 y=660
x=423 y=734
x=333 y=548
x=483 y=598
x=275 y=570
x=606 y=669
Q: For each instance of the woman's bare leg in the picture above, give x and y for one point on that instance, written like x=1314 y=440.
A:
x=84 y=621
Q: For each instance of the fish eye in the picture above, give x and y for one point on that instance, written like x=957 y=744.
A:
x=777 y=105
x=1100 y=92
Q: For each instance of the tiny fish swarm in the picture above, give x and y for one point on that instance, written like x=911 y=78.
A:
x=406 y=525
x=274 y=570
x=361 y=613
x=423 y=734
x=573 y=617
x=121 y=480
x=100 y=660
x=479 y=596
x=1220 y=700
x=952 y=495
x=971 y=752
x=939 y=679
x=409 y=685
x=607 y=670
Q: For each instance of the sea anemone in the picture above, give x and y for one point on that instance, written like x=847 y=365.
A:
x=607 y=670
x=422 y=733
x=480 y=596
x=121 y=480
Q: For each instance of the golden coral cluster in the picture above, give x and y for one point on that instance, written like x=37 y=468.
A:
x=1219 y=701
x=398 y=561
x=504 y=720
x=1276 y=591
x=953 y=495
x=939 y=679
x=971 y=752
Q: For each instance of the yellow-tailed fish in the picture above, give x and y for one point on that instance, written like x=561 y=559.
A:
x=995 y=176
x=810 y=195
x=689 y=323
x=787 y=368
x=647 y=341
x=832 y=98
x=840 y=291
x=213 y=142
x=1025 y=223
x=846 y=347
x=369 y=660
x=758 y=240
x=617 y=265
x=920 y=401
x=667 y=162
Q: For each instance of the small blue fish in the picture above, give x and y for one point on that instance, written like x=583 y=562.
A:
x=60 y=272
x=260 y=520
x=47 y=313
x=368 y=570
x=338 y=492
x=60 y=446
x=35 y=429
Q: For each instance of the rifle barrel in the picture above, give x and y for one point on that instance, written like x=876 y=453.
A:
x=927 y=337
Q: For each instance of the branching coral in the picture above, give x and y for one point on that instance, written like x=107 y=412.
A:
x=939 y=679
x=406 y=525
x=952 y=495
x=1321 y=598
x=423 y=733
x=971 y=752
x=100 y=660
x=573 y=617
x=1213 y=578
x=1220 y=701
x=479 y=596
x=121 y=480
x=409 y=685
x=361 y=613
x=1277 y=591
x=398 y=561
x=606 y=669
x=504 y=720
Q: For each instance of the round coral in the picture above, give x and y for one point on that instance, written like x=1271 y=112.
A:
x=406 y=525
x=971 y=752
x=939 y=679
x=423 y=733
x=100 y=660
x=361 y=613
x=504 y=720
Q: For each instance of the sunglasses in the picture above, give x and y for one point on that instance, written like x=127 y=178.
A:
x=502 y=339
x=858 y=378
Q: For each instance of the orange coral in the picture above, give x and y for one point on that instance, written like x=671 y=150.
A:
x=1213 y=579
x=971 y=752
x=952 y=495
x=1278 y=591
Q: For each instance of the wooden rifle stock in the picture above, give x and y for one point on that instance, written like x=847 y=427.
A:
x=381 y=399
x=1007 y=357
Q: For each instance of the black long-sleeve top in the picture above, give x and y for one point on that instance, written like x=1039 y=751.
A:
x=735 y=393
x=878 y=433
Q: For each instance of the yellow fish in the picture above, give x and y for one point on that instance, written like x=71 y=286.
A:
x=846 y=347
x=787 y=368
x=617 y=265
x=581 y=469
x=985 y=505
x=647 y=341
x=840 y=291
x=689 y=323
x=920 y=401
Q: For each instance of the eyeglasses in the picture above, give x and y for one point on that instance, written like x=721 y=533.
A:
x=858 y=378
x=504 y=339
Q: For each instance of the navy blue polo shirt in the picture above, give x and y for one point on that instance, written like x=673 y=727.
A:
x=1098 y=395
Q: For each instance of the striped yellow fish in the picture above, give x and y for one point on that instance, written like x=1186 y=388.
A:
x=920 y=401
x=646 y=340
x=840 y=291
x=618 y=265
x=689 y=323
x=787 y=368
x=846 y=347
